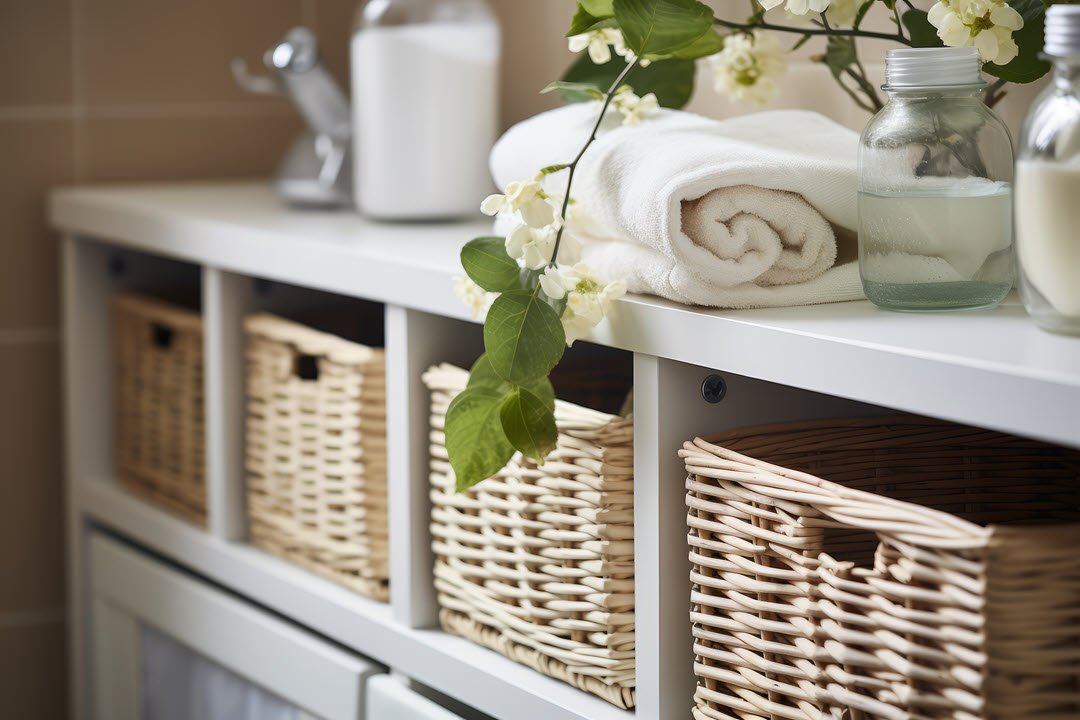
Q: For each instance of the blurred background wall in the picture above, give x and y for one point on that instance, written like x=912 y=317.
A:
x=130 y=90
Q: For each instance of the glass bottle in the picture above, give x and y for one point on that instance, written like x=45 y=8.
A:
x=1048 y=185
x=935 y=193
x=425 y=107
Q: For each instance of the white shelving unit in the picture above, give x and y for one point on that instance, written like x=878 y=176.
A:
x=992 y=369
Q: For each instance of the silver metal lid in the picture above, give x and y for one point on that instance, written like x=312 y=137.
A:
x=1063 y=30
x=932 y=67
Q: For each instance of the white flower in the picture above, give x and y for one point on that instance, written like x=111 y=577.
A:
x=747 y=68
x=634 y=108
x=526 y=197
x=985 y=24
x=798 y=7
x=475 y=297
x=533 y=247
x=597 y=42
x=587 y=299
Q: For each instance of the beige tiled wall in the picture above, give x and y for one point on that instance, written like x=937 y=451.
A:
x=101 y=91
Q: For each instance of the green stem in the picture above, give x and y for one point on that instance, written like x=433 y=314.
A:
x=867 y=87
x=832 y=32
x=572 y=166
x=854 y=95
x=993 y=95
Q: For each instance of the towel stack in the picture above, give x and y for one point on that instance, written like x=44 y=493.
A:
x=735 y=214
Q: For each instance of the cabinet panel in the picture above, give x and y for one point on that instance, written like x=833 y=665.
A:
x=131 y=590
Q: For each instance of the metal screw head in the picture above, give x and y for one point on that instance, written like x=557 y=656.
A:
x=713 y=389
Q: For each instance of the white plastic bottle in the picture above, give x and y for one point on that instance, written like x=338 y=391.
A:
x=1048 y=185
x=425 y=107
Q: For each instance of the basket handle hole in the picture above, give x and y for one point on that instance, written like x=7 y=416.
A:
x=161 y=336
x=307 y=367
x=852 y=545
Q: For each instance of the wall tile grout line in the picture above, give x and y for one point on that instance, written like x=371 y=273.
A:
x=31 y=113
x=28 y=618
x=29 y=336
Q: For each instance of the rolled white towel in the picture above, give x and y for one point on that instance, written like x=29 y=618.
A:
x=738 y=213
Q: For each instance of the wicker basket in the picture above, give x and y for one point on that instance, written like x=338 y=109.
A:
x=941 y=579
x=316 y=452
x=160 y=442
x=538 y=563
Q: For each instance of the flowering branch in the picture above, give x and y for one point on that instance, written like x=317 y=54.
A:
x=572 y=166
x=749 y=27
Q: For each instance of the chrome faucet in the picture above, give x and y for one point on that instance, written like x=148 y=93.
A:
x=317 y=168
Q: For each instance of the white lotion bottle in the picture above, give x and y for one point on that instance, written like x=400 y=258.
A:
x=1048 y=185
x=425 y=107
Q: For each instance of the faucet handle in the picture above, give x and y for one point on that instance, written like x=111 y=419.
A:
x=258 y=84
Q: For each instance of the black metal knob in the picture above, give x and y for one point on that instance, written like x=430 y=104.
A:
x=713 y=389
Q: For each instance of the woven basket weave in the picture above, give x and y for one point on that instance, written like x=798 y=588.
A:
x=158 y=385
x=538 y=563
x=316 y=452
x=916 y=586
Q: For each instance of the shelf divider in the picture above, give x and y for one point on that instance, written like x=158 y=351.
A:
x=226 y=299
x=414 y=342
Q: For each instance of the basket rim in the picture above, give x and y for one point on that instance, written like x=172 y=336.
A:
x=308 y=340
x=450 y=378
x=862 y=421
x=148 y=306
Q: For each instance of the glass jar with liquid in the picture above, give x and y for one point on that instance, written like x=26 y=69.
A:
x=935 y=188
x=1048 y=185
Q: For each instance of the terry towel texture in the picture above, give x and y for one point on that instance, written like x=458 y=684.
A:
x=738 y=213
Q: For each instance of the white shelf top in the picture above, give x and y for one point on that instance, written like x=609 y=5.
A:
x=993 y=368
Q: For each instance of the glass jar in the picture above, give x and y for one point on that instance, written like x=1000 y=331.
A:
x=935 y=192
x=425 y=105
x=1048 y=185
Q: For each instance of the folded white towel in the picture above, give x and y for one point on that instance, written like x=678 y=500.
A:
x=734 y=214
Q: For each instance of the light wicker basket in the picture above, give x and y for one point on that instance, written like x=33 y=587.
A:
x=538 y=563
x=316 y=452
x=938 y=577
x=158 y=386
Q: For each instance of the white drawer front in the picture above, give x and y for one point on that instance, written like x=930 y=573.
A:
x=389 y=699
x=131 y=589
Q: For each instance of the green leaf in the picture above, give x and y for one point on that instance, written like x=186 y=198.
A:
x=543 y=389
x=708 y=44
x=921 y=32
x=529 y=424
x=597 y=8
x=839 y=54
x=523 y=337
x=1027 y=66
x=582 y=90
x=661 y=27
x=475 y=441
x=486 y=262
x=584 y=21
x=671 y=80
x=482 y=375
